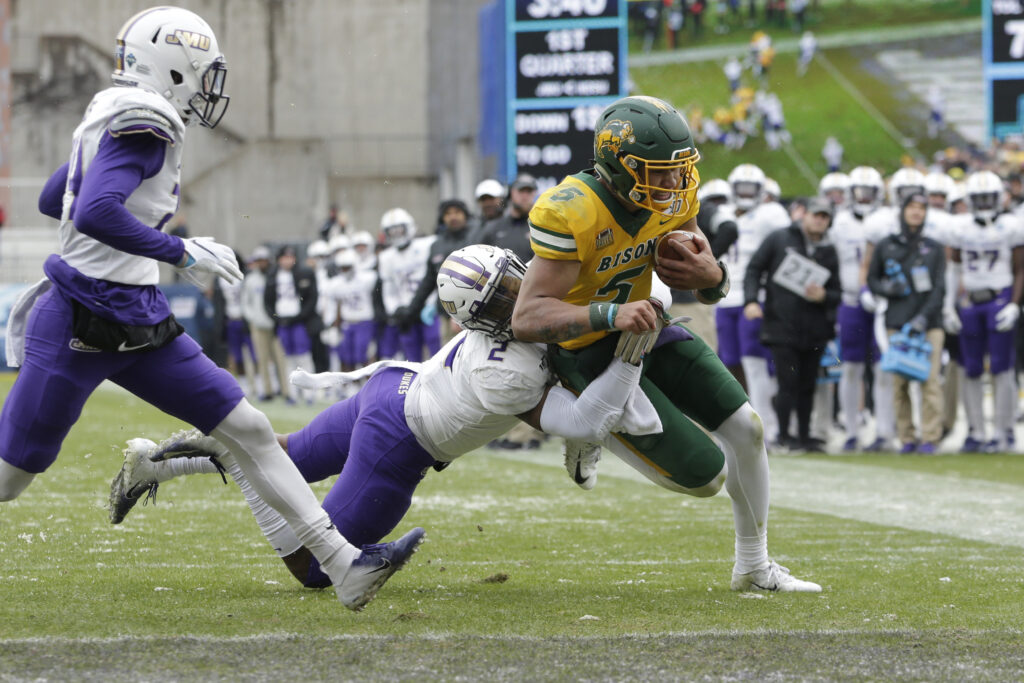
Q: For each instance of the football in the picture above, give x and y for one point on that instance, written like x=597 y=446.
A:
x=667 y=252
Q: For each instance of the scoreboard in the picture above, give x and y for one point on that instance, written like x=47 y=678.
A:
x=565 y=62
x=1003 y=55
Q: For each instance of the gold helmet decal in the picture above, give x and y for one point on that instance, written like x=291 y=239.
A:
x=612 y=135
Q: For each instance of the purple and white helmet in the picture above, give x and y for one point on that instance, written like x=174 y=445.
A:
x=478 y=285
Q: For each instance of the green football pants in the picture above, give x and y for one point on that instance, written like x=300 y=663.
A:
x=687 y=384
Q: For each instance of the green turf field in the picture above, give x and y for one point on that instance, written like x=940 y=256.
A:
x=523 y=577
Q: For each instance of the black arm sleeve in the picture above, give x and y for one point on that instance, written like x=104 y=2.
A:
x=724 y=238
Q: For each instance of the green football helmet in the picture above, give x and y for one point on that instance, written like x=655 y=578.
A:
x=636 y=137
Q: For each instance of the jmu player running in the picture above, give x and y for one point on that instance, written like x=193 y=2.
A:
x=410 y=417
x=594 y=236
x=99 y=314
x=988 y=260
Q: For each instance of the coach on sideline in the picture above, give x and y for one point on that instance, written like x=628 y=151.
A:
x=796 y=326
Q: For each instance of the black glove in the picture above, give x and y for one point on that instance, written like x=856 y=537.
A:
x=402 y=317
x=919 y=324
x=894 y=289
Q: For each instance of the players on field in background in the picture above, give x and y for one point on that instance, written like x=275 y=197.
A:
x=738 y=344
x=401 y=266
x=988 y=273
x=410 y=418
x=593 y=236
x=99 y=314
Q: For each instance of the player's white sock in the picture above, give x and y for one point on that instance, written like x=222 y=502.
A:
x=274 y=527
x=851 y=385
x=248 y=435
x=761 y=390
x=821 y=413
x=884 y=393
x=180 y=467
x=742 y=440
x=974 y=396
x=1004 y=390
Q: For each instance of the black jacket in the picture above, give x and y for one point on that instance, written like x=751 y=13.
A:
x=790 y=319
x=305 y=287
x=508 y=232
x=910 y=251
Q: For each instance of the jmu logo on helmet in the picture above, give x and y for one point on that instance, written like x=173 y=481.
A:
x=613 y=134
x=190 y=38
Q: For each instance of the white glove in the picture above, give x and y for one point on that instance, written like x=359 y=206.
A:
x=951 y=321
x=867 y=300
x=205 y=255
x=1006 y=317
x=633 y=347
x=581 y=458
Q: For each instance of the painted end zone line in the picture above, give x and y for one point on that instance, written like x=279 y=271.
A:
x=965 y=508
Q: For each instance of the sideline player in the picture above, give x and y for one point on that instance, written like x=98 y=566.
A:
x=987 y=259
x=99 y=314
x=410 y=417
x=595 y=237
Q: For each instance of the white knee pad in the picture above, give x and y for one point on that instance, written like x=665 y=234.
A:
x=13 y=480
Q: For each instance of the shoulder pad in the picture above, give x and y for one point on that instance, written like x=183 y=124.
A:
x=140 y=120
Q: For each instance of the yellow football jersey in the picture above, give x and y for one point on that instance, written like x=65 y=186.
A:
x=580 y=220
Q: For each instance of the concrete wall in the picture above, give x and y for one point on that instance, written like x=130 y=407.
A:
x=367 y=104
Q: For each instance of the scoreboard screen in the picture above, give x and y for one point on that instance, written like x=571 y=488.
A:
x=1003 y=53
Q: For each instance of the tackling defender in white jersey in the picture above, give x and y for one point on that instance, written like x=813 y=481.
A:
x=410 y=417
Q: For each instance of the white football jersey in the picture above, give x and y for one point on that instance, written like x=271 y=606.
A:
x=154 y=202
x=752 y=227
x=847 y=234
x=401 y=271
x=470 y=392
x=986 y=250
x=232 y=292
x=353 y=293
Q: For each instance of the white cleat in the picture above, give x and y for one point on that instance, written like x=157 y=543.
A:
x=137 y=477
x=581 y=458
x=772 y=579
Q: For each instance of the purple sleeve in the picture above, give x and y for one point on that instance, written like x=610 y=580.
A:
x=119 y=167
x=51 y=199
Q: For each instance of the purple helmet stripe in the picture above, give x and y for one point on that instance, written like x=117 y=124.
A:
x=455 y=275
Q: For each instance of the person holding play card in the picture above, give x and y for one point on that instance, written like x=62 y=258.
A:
x=798 y=270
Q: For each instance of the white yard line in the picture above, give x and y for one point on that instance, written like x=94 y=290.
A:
x=965 y=508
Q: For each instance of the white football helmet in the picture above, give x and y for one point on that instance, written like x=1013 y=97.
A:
x=772 y=191
x=398 y=227
x=833 y=187
x=938 y=183
x=984 y=194
x=478 y=285
x=337 y=243
x=346 y=258
x=318 y=249
x=174 y=52
x=866 y=189
x=715 y=190
x=362 y=239
x=747 y=183
x=903 y=183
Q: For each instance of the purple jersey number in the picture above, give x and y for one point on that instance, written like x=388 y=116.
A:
x=499 y=347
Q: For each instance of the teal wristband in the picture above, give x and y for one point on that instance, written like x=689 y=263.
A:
x=602 y=316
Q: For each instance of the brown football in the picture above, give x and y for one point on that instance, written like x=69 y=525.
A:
x=667 y=252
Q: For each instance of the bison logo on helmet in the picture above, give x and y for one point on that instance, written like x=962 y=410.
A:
x=613 y=134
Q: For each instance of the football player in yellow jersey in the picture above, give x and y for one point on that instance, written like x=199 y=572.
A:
x=595 y=237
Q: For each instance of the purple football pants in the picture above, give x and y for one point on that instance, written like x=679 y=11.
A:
x=738 y=337
x=238 y=340
x=367 y=440
x=979 y=337
x=56 y=379
x=856 y=334
x=355 y=341
x=294 y=339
